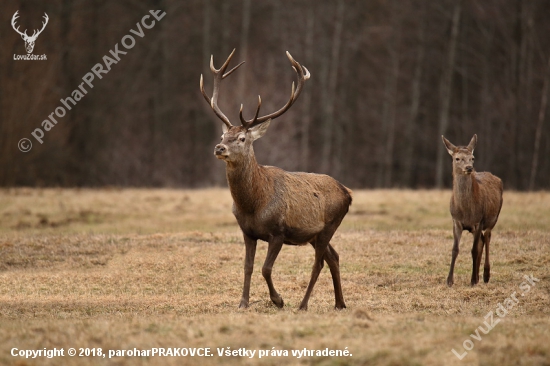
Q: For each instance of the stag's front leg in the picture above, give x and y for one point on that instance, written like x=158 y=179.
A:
x=457 y=234
x=273 y=249
x=250 y=245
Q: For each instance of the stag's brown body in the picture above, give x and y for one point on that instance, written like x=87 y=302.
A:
x=475 y=206
x=276 y=206
x=269 y=201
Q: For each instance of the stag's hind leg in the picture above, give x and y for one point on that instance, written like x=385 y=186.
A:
x=273 y=250
x=333 y=261
x=320 y=245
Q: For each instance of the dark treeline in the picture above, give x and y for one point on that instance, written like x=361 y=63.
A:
x=389 y=77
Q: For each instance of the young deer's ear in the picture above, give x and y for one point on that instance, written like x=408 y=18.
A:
x=258 y=131
x=450 y=147
x=472 y=144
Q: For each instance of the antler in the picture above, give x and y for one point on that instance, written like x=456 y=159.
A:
x=13 y=19
x=219 y=75
x=302 y=73
x=36 y=33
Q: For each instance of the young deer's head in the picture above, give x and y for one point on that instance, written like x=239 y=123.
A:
x=237 y=141
x=463 y=156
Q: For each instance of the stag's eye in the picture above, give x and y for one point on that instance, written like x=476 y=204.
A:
x=457 y=159
x=242 y=139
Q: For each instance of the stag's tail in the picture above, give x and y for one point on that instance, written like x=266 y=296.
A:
x=348 y=192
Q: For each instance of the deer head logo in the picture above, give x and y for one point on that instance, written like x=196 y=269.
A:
x=29 y=40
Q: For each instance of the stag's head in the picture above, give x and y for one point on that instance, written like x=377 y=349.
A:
x=237 y=141
x=29 y=40
x=463 y=156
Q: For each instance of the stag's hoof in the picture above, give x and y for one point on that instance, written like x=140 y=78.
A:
x=243 y=304
x=278 y=301
x=339 y=306
x=303 y=307
x=450 y=281
x=486 y=274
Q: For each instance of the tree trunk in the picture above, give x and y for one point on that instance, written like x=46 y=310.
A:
x=390 y=104
x=330 y=93
x=445 y=93
x=415 y=104
x=226 y=18
x=307 y=93
x=538 y=131
x=245 y=27
x=206 y=46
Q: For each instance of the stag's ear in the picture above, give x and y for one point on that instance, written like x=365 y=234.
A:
x=450 y=147
x=258 y=131
x=224 y=128
x=472 y=144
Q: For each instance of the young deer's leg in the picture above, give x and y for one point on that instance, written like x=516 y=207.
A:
x=333 y=261
x=457 y=234
x=275 y=245
x=250 y=245
x=487 y=266
x=480 y=245
x=476 y=254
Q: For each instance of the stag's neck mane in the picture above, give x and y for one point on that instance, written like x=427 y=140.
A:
x=247 y=183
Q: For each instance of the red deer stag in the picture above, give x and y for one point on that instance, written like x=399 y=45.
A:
x=273 y=205
x=475 y=206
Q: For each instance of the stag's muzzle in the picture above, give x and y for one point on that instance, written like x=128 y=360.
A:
x=220 y=151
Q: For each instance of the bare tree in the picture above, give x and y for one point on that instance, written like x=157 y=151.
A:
x=415 y=100
x=538 y=131
x=390 y=97
x=329 y=100
x=445 y=90
x=306 y=105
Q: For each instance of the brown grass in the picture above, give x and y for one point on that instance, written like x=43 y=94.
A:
x=119 y=269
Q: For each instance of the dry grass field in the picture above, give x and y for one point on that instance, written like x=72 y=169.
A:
x=142 y=268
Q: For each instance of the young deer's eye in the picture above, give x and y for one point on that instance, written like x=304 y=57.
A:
x=242 y=139
x=457 y=159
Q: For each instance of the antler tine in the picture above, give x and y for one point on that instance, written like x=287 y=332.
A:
x=251 y=122
x=219 y=75
x=302 y=77
x=302 y=74
x=233 y=69
x=203 y=92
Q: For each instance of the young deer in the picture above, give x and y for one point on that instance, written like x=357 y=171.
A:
x=273 y=205
x=475 y=206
